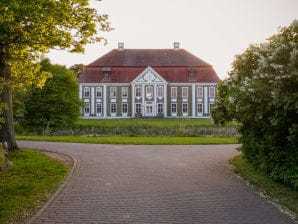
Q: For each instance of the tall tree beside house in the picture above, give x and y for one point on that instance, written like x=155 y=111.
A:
x=261 y=94
x=77 y=69
x=29 y=28
x=56 y=105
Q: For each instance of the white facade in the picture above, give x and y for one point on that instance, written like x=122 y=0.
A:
x=148 y=95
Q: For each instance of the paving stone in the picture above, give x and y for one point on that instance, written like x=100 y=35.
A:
x=154 y=184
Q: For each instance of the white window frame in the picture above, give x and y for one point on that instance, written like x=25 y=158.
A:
x=124 y=92
x=138 y=108
x=200 y=113
x=160 y=92
x=113 y=92
x=184 y=94
x=124 y=109
x=98 y=92
x=113 y=114
x=211 y=91
x=160 y=108
x=87 y=92
x=98 y=109
x=138 y=91
x=185 y=113
x=87 y=109
x=149 y=92
x=174 y=92
x=200 y=91
x=173 y=113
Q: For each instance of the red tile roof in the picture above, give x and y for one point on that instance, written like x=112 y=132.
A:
x=126 y=65
x=149 y=57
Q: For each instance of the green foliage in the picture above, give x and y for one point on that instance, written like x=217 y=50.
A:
x=280 y=193
x=31 y=28
x=30 y=182
x=77 y=69
x=56 y=105
x=261 y=94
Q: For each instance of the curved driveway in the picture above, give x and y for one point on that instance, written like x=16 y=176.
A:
x=154 y=184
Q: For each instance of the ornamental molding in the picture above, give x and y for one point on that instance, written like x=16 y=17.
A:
x=149 y=76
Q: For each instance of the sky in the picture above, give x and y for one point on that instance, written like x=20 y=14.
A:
x=213 y=30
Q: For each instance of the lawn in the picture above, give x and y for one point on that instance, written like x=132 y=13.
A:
x=182 y=127
x=145 y=122
x=31 y=181
x=134 y=140
x=284 y=195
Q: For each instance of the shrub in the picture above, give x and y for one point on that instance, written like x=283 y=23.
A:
x=261 y=94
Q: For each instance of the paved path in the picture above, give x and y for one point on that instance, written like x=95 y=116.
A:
x=154 y=184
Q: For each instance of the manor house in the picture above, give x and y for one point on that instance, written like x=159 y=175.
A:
x=148 y=83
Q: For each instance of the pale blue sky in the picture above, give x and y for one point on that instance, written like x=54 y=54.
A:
x=213 y=30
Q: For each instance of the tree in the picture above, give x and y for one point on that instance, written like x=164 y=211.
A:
x=56 y=105
x=29 y=28
x=77 y=69
x=261 y=94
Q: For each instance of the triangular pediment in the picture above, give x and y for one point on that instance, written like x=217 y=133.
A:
x=149 y=75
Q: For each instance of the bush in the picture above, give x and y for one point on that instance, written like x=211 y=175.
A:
x=261 y=94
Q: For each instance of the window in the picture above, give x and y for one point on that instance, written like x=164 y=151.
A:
x=211 y=105
x=98 y=92
x=174 y=108
x=200 y=91
x=184 y=92
x=138 y=91
x=124 y=92
x=199 y=108
x=160 y=91
x=105 y=76
x=86 y=92
x=192 y=76
x=138 y=108
x=174 y=92
x=211 y=91
x=113 y=92
x=98 y=108
x=87 y=108
x=124 y=108
x=184 y=108
x=160 y=108
x=149 y=92
x=113 y=108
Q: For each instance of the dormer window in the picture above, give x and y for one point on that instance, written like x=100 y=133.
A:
x=191 y=74
x=106 y=73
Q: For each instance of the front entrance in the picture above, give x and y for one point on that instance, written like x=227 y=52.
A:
x=149 y=109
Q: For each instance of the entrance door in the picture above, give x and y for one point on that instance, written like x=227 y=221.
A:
x=148 y=109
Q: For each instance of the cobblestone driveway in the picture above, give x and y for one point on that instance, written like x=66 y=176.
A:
x=154 y=184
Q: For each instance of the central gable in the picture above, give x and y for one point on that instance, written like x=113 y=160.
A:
x=149 y=75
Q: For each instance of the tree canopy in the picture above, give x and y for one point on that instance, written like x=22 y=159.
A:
x=56 y=105
x=261 y=93
x=29 y=28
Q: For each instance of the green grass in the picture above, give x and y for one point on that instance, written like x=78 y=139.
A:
x=134 y=140
x=31 y=181
x=145 y=122
x=280 y=193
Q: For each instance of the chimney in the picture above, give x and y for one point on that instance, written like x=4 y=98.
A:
x=176 y=46
x=120 y=46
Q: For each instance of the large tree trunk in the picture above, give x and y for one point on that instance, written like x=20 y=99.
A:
x=6 y=128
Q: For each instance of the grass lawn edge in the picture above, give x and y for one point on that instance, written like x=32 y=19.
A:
x=127 y=140
x=42 y=198
x=281 y=196
x=60 y=187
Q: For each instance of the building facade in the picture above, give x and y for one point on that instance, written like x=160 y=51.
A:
x=148 y=83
